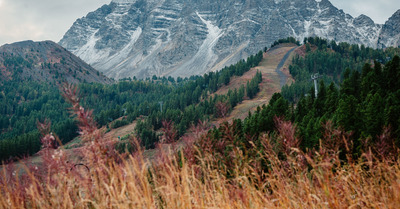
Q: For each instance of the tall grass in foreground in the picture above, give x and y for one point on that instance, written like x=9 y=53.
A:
x=173 y=183
x=195 y=178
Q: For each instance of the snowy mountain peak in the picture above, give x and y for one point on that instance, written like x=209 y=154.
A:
x=396 y=15
x=189 y=37
x=363 y=19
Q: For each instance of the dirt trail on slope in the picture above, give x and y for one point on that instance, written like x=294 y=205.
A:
x=275 y=75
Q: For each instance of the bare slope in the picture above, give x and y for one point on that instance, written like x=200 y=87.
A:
x=275 y=74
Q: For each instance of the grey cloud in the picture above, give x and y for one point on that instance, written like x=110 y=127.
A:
x=41 y=19
x=379 y=11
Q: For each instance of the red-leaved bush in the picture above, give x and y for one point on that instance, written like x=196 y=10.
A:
x=385 y=146
x=87 y=125
x=287 y=135
x=222 y=109
x=169 y=130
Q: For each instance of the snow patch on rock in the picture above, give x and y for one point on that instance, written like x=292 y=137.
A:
x=89 y=53
x=205 y=56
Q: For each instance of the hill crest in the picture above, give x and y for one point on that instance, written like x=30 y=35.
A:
x=45 y=61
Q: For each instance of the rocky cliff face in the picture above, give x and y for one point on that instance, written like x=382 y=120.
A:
x=390 y=35
x=189 y=37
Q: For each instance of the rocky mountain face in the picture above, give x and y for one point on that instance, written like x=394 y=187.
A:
x=45 y=61
x=189 y=37
x=390 y=34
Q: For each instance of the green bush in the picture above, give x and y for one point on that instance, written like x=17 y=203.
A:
x=119 y=123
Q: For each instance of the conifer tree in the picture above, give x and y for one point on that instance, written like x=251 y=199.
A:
x=319 y=103
x=367 y=80
x=331 y=100
x=374 y=115
x=392 y=74
x=392 y=113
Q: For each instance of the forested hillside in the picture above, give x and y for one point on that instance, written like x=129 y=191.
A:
x=330 y=60
x=30 y=73
x=357 y=121
x=184 y=101
x=362 y=100
x=355 y=90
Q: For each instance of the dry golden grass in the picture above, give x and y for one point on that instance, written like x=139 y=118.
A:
x=171 y=182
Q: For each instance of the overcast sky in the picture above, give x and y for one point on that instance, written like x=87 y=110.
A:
x=49 y=19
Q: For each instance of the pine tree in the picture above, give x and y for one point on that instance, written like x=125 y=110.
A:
x=378 y=74
x=374 y=115
x=331 y=101
x=392 y=113
x=367 y=80
x=392 y=74
x=319 y=103
x=347 y=115
x=241 y=92
x=301 y=109
x=351 y=85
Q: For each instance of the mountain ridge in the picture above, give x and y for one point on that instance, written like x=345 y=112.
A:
x=141 y=38
x=45 y=61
